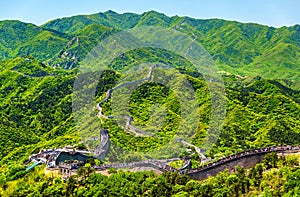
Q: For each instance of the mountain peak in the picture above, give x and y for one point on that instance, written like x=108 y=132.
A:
x=153 y=13
x=110 y=12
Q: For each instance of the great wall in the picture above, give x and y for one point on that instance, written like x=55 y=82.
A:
x=129 y=119
x=245 y=159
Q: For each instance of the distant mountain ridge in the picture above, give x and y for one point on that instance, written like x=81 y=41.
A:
x=238 y=48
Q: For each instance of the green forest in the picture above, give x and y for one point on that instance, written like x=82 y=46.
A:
x=259 y=66
x=273 y=177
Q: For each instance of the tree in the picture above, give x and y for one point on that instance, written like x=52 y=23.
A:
x=270 y=160
x=112 y=170
x=256 y=174
x=292 y=184
x=86 y=170
x=243 y=179
x=71 y=184
x=81 y=146
x=292 y=160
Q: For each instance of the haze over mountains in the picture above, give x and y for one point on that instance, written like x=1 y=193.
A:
x=239 y=48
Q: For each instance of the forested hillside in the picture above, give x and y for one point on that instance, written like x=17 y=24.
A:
x=36 y=105
x=259 y=65
x=239 y=48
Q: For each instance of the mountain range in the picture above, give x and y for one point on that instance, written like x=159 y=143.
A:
x=245 y=49
x=259 y=65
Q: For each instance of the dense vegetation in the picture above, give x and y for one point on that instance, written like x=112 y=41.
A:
x=36 y=88
x=37 y=103
x=273 y=177
x=240 y=48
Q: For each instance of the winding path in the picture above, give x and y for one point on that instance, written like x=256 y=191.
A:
x=163 y=167
x=129 y=119
x=104 y=137
x=101 y=147
x=197 y=149
x=240 y=155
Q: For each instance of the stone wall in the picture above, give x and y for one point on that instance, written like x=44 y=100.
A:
x=245 y=162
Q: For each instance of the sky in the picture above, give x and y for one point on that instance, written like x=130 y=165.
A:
x=274 y=13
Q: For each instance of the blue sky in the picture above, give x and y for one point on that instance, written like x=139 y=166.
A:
x=269 y=12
